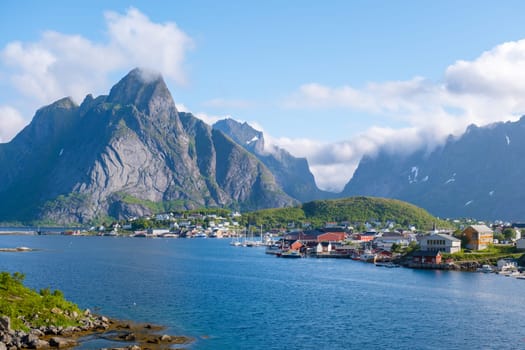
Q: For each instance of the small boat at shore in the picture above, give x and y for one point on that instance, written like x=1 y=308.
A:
x=273 y=249
x=290 y=254
x=387 y=264
x=485 y=269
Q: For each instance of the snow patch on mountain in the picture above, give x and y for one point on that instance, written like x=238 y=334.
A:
x=254 y=139
x=412 y=177
x=452 y=179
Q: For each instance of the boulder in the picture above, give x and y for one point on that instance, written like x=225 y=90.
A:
x=37 y=344
x=59 y=342
x=165 y=338
x=5 y=324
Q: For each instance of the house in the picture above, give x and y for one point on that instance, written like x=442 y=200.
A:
x=520 y=244
x=366 y=237
x=331 y=237
x=388 y=238
x=478 y=237
x=323 y=247
x=297 y=245
x=306 y=237
x=506 y=264
x=440 y=242
x=425 y=257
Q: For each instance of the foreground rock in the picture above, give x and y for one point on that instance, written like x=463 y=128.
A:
x=131 y=335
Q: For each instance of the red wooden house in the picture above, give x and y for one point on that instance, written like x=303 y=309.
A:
x=426 y=257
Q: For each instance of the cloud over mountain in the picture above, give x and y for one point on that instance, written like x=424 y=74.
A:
x=61 y=64
x=485 y=90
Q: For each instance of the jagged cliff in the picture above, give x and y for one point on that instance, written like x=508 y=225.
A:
x=123 y=155
x=292 y=174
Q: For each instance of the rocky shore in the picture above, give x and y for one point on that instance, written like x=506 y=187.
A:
x=127 y=335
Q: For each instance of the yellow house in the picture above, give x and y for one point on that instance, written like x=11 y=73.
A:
x=478 y=237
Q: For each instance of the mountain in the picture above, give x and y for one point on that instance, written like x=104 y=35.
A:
x=124 y=154
x=291 y=173
x=480 y=174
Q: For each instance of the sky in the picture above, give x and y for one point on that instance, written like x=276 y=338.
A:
x=331 y=81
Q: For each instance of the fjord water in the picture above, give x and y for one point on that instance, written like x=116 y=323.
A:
x=239 y=298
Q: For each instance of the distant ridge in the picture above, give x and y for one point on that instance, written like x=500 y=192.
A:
x=480 y=174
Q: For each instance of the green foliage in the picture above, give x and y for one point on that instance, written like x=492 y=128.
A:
x=356 y=210
x=273 y=218
x=66 y=202
x=499 y=236
x=141 y=224
x=412 y=247
x=487 y=256
x=509 y=233
x=38 y=309
x=154 y=207
x=396 y=248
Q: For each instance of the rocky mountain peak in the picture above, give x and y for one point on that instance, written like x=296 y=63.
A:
x=143 y=88
x=243 y=134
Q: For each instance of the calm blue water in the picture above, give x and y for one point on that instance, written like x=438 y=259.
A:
x=239 y=298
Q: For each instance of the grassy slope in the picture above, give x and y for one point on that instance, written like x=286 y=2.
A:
x=353 y=210
x=37 y=309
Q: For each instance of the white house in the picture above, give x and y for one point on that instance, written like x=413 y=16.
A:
x=386 y=240
x=440 y=242
x=520 y=244
x=323 y=247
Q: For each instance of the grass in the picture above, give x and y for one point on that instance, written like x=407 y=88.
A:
x=487 y=256
x=28 y=308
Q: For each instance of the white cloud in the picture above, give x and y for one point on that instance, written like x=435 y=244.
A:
x=159 y=46
x=11 y=122
x=488 y=89
x=211 y=119
x=59 y=65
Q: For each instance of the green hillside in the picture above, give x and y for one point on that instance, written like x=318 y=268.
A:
x=355 y=210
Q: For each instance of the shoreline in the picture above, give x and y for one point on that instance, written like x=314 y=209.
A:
x=124 y=334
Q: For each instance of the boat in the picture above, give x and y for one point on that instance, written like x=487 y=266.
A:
x=368 y=256
x=273 y=249
x=485 y=269
x=235 y=242
x=387 y=264
x=170 y=235
x=290 y=254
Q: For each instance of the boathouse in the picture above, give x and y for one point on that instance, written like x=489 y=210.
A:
x=426 y=257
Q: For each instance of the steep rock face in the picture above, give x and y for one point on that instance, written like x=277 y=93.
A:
x=292 y=174
x=121 y=154
x=481 y=175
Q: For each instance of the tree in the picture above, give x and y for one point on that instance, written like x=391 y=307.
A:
x=509 y=233
x=412 y=246
x=396 y=248
x=499 y=236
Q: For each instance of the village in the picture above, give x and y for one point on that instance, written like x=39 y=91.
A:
x=474 y=246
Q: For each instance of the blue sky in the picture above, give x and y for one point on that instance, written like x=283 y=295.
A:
x=331 y=81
